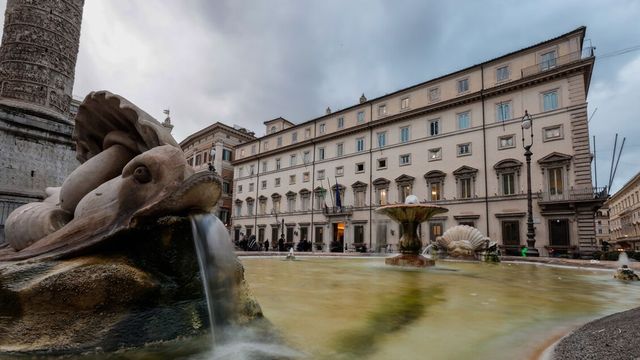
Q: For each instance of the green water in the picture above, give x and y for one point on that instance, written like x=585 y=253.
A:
x=360 y=308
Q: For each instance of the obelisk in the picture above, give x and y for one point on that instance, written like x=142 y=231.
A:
x=37 y=67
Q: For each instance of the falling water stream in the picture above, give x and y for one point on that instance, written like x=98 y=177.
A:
x=217 y=261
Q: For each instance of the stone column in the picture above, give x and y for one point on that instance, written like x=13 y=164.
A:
x=38 y=55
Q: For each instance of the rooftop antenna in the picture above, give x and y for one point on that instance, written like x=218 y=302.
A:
x=617 y=161
x=613 y=160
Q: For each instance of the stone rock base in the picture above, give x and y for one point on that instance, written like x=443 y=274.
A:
x=409 y=260
x=141 y=287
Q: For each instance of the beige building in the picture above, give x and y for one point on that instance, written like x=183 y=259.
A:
x=602 y=227
x=624 y=215
x=223 y=139
x=455 y=141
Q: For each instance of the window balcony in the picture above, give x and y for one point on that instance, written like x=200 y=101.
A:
x=571 y=195
x=338 y=211
x=556 y=62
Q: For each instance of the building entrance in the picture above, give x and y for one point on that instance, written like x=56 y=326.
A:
x=559 y=235
x=337 y=239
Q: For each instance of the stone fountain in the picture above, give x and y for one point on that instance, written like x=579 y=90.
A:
x=108 y=260
x=409 y=215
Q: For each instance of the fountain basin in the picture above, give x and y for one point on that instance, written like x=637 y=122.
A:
x=409 y=216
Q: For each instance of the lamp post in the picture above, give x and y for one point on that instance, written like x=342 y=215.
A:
x=527 y=124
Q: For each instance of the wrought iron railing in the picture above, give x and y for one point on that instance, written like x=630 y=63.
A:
x=591 y=193
x=555 y=62
x=337 y=210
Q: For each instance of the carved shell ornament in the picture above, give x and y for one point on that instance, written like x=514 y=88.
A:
x=132 y=171
x=465 y=236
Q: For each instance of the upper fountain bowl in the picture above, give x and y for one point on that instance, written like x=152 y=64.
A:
x=411 y=212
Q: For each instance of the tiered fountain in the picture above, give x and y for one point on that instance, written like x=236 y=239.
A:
x=409 y=215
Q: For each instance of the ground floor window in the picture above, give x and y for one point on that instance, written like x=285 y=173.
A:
x=511 y=237
x=435 y=230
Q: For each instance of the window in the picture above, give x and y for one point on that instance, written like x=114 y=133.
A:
x=277 y=182
x=506 y=142
x=502 y=73
x=251 y=187
x=305 y=201
x=276 y=204
x=503 y=111
x=306 y=157
x=322 y=128
x=464 y=149
x=552 y=133
x=242 y=152
x=239 y=189
x=359 y=167
x=360 y=117
x=359 y=196
x=253 y=149
x=434 y=127
x=382 y=163
x=435 y=191
x=305 y=176
x=511 y=236
x=359 y=144
x=548 y=60
x=294 y=137
x=405 y=159
x=321 y=153
x=382 y=139
x=226 y=155
x=264 y=184
x=279 y=141
x=434 y=94
x=435 y=154
x=339 y=149
x=340 y=122
x=404 y=103
x=550 y=100
x=198 y=159
x=249 y=208
x=463 y=85
x=238 y=208
x=273 y=129
x=252 y=169
x=464 y=120
x=465 y=188
x=291 y=204
x=382 y=110
x=292 y=179
x=264 y=166
x=339 y=170
x=404 y=191
x=381 y=196
x=226 y=187
x=404 y=134
x=556 y=183
x=508 y=183
x=266 y=145
x=240 y=171
x=277 y=164
x=307 y=133
x=263 y=206
x=292 y=160
x=320 y=174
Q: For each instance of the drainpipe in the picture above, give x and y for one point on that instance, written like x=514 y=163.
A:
x=484 y=148
x=370 y=186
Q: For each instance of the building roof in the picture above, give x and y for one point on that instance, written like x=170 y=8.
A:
x=279 y=118
x=243 y=134
x=634 y=179
x=580 y=30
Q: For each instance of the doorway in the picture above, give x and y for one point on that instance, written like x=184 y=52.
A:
x=559 y=233
x=337 y=242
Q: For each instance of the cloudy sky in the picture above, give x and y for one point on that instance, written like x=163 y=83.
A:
x=244 y=62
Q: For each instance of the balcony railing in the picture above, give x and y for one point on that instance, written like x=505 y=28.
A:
x=335 y=210
x=582 y=194
x=555 y=62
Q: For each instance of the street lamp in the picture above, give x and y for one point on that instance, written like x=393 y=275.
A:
x=527 y=124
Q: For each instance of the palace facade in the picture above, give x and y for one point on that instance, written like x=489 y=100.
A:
x=454 y=141
x=624 y=215
x=223 y=139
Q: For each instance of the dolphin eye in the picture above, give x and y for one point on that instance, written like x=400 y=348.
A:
x=142 y=175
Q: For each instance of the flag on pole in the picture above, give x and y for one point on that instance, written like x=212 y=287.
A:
x=338 y=201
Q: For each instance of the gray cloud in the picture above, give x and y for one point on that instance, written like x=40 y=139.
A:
x=247 y=62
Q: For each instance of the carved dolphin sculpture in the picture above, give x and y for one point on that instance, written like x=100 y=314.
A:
x=155 y=183
x=131 y=169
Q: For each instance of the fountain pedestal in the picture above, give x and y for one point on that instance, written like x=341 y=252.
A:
x=409 y=216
